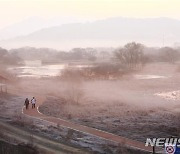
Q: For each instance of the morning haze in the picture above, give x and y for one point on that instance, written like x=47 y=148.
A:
x=93 y=76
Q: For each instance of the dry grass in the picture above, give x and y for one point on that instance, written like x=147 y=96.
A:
x=127 y=107
x=21 y=120
x=178 y=68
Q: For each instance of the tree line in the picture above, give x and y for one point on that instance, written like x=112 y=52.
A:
x=132 y=55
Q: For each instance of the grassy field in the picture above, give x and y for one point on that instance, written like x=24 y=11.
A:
x=127 y=107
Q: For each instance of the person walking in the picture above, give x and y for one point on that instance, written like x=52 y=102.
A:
x=33 y=102
x=26 y=103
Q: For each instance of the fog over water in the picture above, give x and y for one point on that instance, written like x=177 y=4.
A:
x=112 y=66
x=35 y=69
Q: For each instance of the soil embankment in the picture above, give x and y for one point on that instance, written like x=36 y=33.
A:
x=39 y=144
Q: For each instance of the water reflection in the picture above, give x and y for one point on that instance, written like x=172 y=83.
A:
x=150 y=77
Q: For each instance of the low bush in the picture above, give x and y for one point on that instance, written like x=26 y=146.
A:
x=99 y=71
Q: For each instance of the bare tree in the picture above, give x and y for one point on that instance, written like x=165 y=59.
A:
x=104 y=54
x=131 y=54
x=77 y=53
x=91 y=52
x=168 y=54
x=74 y=94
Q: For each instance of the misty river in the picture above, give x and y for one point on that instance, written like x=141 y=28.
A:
x=36 y=69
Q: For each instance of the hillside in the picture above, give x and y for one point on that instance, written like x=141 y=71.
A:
x=108 y=32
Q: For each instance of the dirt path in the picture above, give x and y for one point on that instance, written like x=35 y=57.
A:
x=43 y=143
x=92 y=131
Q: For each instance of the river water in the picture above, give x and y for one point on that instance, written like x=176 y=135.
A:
x=36 y=69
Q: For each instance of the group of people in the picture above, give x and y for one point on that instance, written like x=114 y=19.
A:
x=33 y=102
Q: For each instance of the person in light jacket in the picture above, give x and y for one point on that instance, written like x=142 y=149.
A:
x=33 y=102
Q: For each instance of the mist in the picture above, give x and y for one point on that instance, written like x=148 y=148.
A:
x=89 y=76
x=110 y=32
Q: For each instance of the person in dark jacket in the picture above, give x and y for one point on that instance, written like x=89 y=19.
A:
x=26 y=103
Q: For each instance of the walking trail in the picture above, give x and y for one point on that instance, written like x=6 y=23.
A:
x=92 y=131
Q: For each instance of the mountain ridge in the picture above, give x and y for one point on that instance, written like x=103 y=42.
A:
x=150 y=31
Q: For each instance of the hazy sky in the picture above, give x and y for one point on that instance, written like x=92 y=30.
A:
x=12 y=11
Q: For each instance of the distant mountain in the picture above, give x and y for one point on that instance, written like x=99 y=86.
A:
x=33 y=24
x=22 y=28
x=108 y=32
